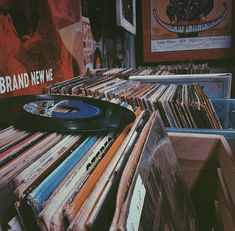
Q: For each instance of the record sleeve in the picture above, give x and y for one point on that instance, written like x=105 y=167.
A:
x=156 y=196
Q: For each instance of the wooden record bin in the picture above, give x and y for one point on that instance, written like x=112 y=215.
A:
x=208 y=166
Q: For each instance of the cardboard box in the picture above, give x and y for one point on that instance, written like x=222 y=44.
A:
x=199 y=157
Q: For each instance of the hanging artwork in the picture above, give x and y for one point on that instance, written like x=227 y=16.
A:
x=180 y=30
x=126 y=15
x=33 y=54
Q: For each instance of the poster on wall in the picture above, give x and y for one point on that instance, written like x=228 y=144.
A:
x=78 y=36
x=180 y=30
x=32 y=52
x=43 y=42
x=65 y=12
x=126 y=15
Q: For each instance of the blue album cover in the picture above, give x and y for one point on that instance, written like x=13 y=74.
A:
x=48 y=185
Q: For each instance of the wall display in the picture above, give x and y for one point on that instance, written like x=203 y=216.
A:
x=126 y=15
x=181 y=30
x=32 y=52
x=84 y=38
x=65 y=13
x=89 y=46
x=45 y=42
x=79 y=40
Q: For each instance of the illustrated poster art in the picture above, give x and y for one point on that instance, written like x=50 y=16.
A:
x=180 y=25
x=43 y=42
x=32 y=52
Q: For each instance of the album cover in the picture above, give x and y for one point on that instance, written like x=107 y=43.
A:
x=44 y=42
x=32 y=52
x=153 y=193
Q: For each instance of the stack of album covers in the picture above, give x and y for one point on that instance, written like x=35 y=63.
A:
x=180 y=105
x=125 y=73
x=187 y=68
x=93 y=181
x=183 y=68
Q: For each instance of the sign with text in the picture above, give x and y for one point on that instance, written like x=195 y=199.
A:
x=33 y=54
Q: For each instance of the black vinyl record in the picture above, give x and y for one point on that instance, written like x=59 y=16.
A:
x=63 y=113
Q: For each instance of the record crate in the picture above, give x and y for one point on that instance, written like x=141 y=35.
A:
x=208 y=166
x=225 y=109
x=215 y=85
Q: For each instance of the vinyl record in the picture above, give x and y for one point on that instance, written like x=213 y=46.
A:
x=63 y=113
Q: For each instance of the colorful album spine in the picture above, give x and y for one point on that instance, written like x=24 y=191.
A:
x=44 y=168
x=46 y=188
x=51 y=216
x=96 y=174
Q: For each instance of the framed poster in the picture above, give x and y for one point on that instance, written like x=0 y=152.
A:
x=126 y=15
x=33 y=54
x=182 y=30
